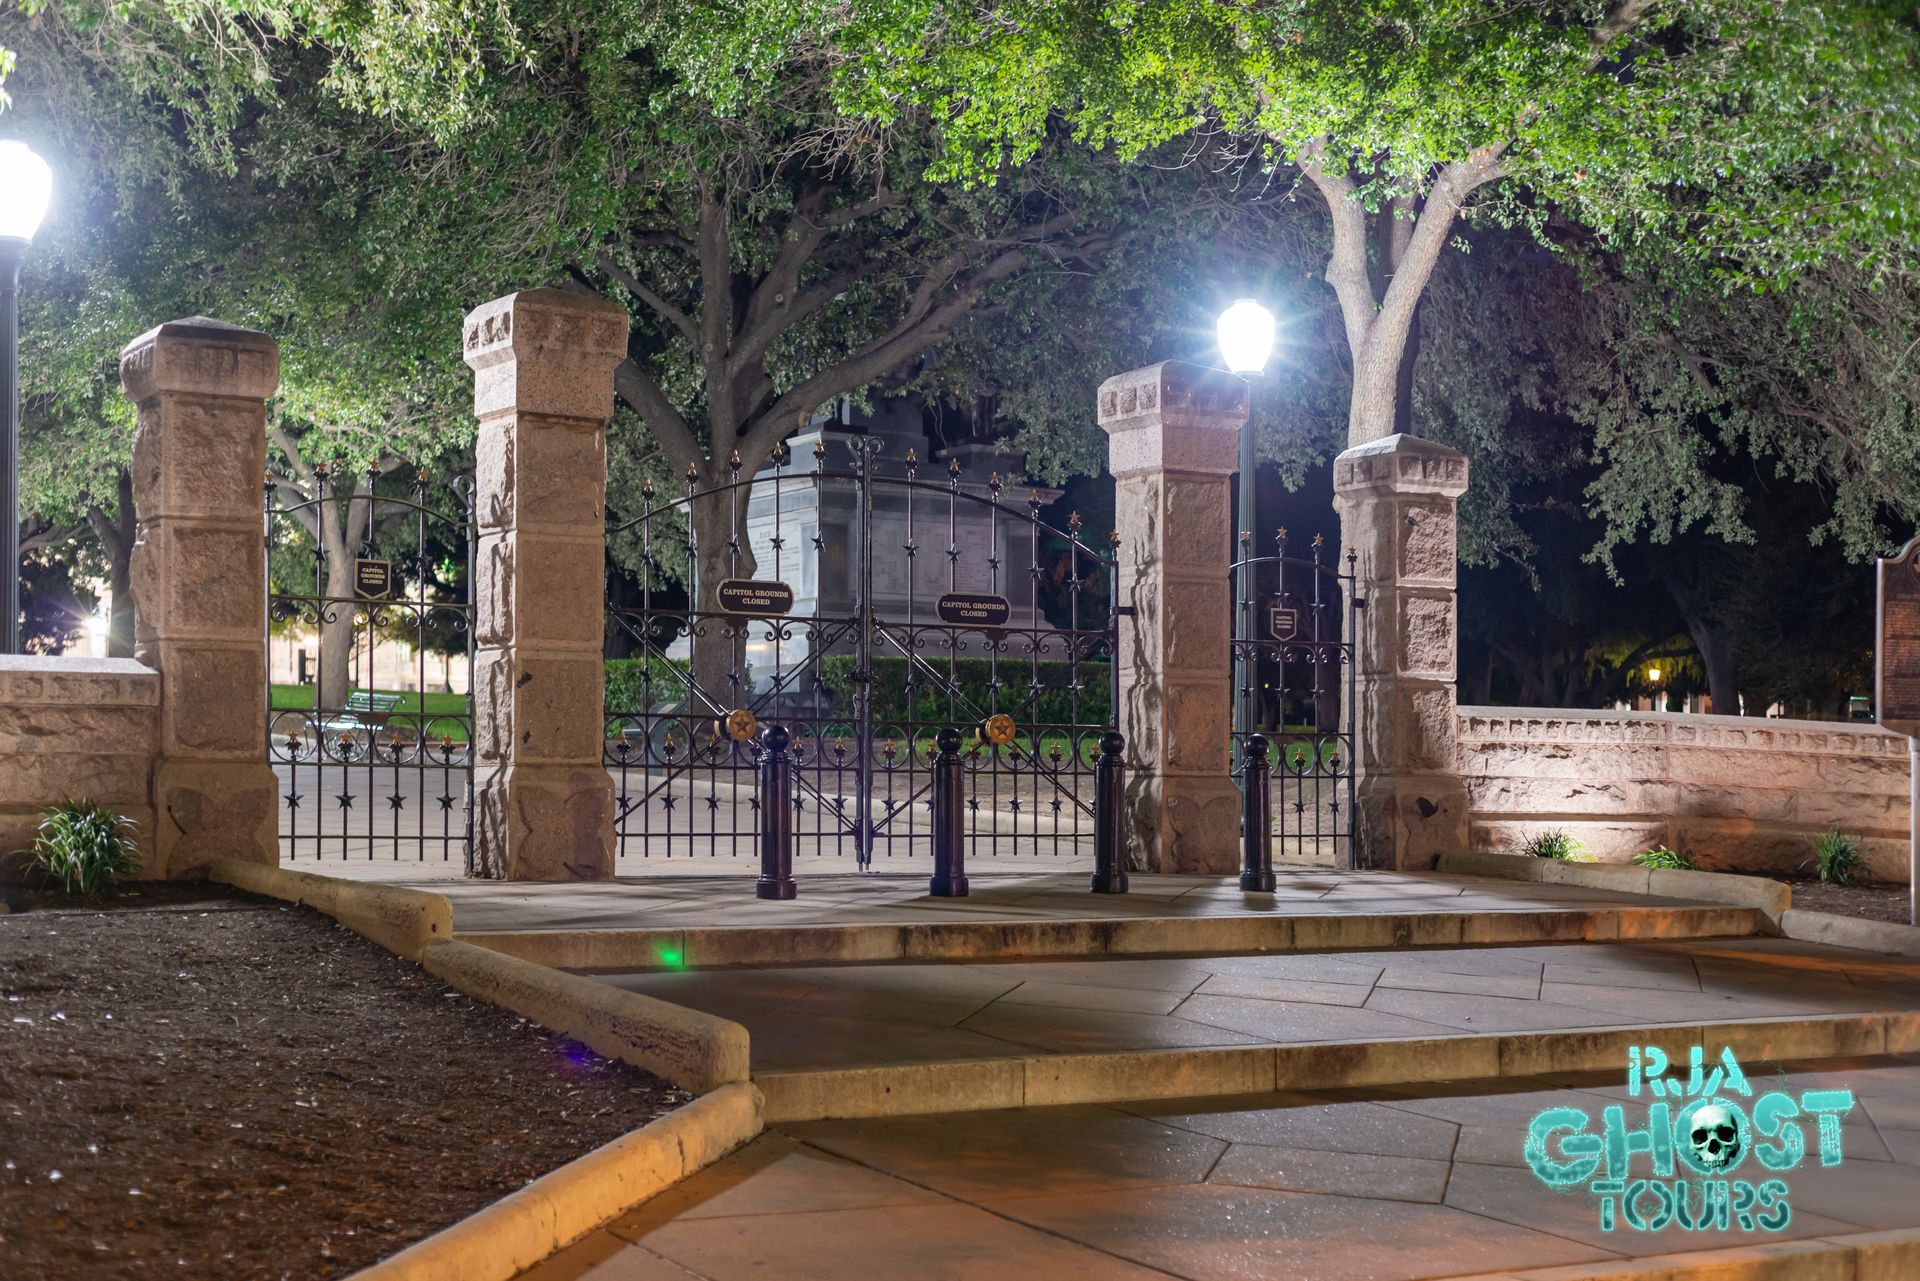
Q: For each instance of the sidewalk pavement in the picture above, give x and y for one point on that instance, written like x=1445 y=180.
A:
x=857 y=1016
x=674 y=899
x=1348 y=1185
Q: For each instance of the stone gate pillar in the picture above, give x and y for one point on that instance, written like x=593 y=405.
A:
x=199 y=583
x=1172 y=440
x=1396 y=498
x=543 y=364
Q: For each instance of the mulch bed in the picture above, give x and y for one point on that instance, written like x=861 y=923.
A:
x=1868 y=902
x=241 y=1089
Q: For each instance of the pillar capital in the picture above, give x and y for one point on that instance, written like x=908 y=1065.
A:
x=545 y=351
x=1175 y=417
x=203 y=357
x=1401 y=464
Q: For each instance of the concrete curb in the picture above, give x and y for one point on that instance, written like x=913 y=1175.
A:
x=400 y=920
x=1850 y=931
x=968 y=1085
x=1768 y=897
x=1863 y=1256
x=559 y=1208
x=709 y=948
x=695 y=1051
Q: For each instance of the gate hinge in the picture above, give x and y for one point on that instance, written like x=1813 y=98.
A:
x=1123 y=611
x=1359 y=602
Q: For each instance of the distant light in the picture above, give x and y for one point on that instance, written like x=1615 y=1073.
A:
x=670 y=958
x=1246 y=336
x=1653 y=675
x=26 y=188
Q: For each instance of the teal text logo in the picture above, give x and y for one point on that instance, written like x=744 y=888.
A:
x=1705 y=1153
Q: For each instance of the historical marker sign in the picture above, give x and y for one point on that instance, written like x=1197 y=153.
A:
x=973 y=609
x=754 y=597
x=1897 y=666
x=373 y=579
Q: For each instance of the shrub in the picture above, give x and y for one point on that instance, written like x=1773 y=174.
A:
x=1053 y=704
x=1664 y=859
x=84 y=846
x=1556 y=844
x=1837 y=857
x=638 y=684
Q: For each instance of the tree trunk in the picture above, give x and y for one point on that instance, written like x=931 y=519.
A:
x=722 y=551
x=1716 y=654
x=116 y=536
x=336 y=630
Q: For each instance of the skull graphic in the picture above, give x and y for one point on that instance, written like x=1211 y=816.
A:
x=1715 y=1137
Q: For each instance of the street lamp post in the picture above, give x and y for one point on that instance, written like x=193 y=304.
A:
x=1246 y=340
x=26 y=184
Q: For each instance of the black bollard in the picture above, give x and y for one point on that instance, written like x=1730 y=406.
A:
x=776 y=816
x=1256 y=817
x=1109 y=863
x=949 y=820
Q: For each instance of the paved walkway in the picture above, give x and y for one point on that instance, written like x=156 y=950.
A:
x=1383 y=1185
x=831 y=1017
x=669 y=901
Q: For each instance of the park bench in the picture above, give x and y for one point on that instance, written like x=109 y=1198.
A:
x=354 y=729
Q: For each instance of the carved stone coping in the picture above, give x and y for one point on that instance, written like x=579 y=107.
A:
x=545 y=351
x=1400 y=465
x=200 y=356
x=1719 y=733
x=54 y=680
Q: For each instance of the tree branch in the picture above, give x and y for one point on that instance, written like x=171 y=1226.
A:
x=644 y=396
x=1347 y=265
x=661 y=307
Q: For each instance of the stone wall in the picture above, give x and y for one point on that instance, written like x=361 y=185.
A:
x=1737 y=793
x=85 y=728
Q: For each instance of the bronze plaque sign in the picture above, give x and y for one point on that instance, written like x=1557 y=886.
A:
x=373 y=579
x=754 y=598
x=1896 y=683
x=973 y=609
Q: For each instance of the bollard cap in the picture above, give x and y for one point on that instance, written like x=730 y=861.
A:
x=776 y=738
x=948 y=741
x=1113 y=743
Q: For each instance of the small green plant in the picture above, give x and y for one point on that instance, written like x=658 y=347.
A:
x=1556 y=844
x=1837 y=857
x=1664 y=859
x=83 y=847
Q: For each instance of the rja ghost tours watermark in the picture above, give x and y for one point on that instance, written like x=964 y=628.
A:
x=1706 y=1155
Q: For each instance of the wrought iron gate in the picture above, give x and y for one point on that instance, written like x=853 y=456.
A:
x=371 y=738
x=863 y=609
x=1293 y=634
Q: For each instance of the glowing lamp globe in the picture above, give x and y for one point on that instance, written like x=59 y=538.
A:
x=26 y=185
x=1246 y=336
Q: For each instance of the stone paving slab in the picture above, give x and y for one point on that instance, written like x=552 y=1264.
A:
x=683 y=901
x=855 y=1016
x=1343 y=1185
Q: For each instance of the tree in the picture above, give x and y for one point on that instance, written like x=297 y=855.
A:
x=776 y=253
x=178 y=196
x=1760 y=137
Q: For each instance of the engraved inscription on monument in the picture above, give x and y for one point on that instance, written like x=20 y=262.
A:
x=1897 y=666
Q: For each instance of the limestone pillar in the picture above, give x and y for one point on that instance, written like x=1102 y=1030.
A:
x=199 y=585
x=543 y=366
x=1396 y=498
x=1172 y=440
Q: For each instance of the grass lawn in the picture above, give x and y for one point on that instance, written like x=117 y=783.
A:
x=299 y=698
